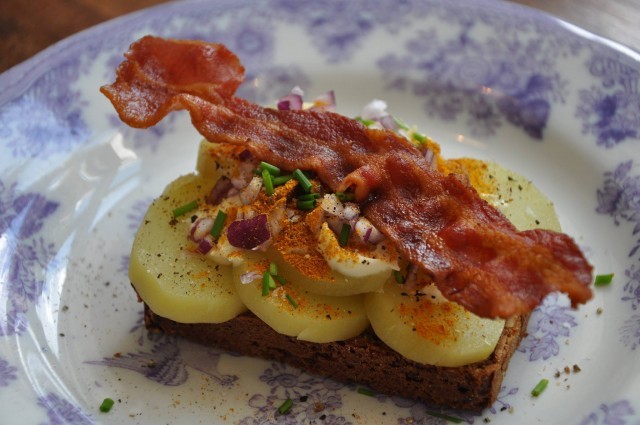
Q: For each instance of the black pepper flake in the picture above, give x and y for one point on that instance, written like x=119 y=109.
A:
x=322 y=417
x=304 y=398
x=194 y=218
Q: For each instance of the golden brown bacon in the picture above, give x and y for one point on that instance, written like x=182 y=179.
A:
x=475 y=255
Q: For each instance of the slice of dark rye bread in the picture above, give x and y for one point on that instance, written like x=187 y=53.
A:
x=365 y=359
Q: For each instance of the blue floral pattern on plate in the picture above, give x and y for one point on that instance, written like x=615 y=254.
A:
x=75 y=183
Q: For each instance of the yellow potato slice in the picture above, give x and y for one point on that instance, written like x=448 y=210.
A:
x=169 y=276
x=431 y=330
x=292 y=311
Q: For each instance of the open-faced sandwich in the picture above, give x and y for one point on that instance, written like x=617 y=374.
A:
x=346 y=247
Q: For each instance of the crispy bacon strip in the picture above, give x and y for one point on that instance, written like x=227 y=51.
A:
x=475 y=255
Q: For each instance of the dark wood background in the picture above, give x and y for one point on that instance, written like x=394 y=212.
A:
x=29 y=26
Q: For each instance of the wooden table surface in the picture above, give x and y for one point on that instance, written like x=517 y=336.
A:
x=29 y=26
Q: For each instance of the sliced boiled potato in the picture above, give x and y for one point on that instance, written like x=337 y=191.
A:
x=433 y=331
x=174 y=281
x=292 y=311
x=334 y=284
x=436 y=333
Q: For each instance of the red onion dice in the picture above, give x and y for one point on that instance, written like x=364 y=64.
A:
x=219 y=191
x=201 y=228
x=249 y=233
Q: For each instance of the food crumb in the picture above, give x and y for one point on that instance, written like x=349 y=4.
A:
x=599 y=311
x=576 y=368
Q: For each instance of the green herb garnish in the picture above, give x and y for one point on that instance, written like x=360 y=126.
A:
x=285 y=407
x=398 y=276
x=280 y=180
x=267 y=283
x=218 y=224
x=366 y=391
x=272 y=169
x=185 y=208
x=305 y=184
x=421 y=138
x=343 y=239
x=273 y=268
x=268 y=182
x=345 y=197
x=603 y=279
x=292 y=301
x=106 y=405
x=367 y=123
x=445 y=417
x=306 y=205
x=538 y=389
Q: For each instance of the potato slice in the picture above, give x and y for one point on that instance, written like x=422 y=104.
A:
x=431 y=330
x=169 y=276
x=290 y=310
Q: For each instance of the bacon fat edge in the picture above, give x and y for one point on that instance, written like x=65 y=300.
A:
x=475 y=255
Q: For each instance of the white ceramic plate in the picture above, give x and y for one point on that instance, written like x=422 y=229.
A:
x=486 y=79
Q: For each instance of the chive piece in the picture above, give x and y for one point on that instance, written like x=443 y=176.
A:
x=280 y=279
x=345 y=197
x=366 y=391
x=265 y=283
x=398 y=276
x=106 y=405
x=401 y=124
x=306 y=205
x=603 y=279
x=419 y=137
x=308 y=196
x=538 y=389
x=268 y=183
x=280 y=180
x=445 y=417
x=344 y=235
x=273 y=268
x=185 y=208
x=303 y=180
x=285 y=407
x=366 y=122
x=272 y=169
x=292 y=301
x=218 y=224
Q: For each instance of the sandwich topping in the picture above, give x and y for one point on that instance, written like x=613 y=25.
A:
x=435 y=221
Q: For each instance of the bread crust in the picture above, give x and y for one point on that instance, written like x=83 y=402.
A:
x=365 y=359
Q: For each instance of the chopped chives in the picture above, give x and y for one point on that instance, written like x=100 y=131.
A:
x=218 y=224
x=266 y=285
x=398 y=276
x=366 y=391
x=306 y=205
x=280 y=279
x=603 y=279
x=285 y=407
x=419 y=137
x=272 y=169
x=445 y=417
x=305 y=184
x=345 y=197
x=292 y=301
x=538 y=389
x=366 y=122
x=273 y=268
x=344 y=235
x=181 y=210
x=280 y=180
x=106 y=405
x=308 y=196
x=401 y=124
x=268 y=183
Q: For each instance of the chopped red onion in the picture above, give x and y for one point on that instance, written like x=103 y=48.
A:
x=201 y=228
x=374 y=110
x=325 y=102
x=367 y=232
x=205 y=245
x=290 y=102
x=430 y=157
x=219 y=191
x=388 y=122
x=249 y=277
x=251 y=192
x=249 y=233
